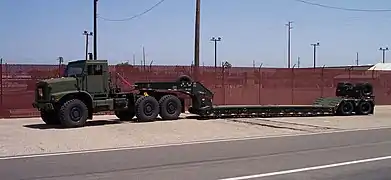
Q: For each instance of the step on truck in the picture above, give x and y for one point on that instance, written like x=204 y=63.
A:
x=86 y=88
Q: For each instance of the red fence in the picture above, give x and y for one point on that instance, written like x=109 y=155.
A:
x=236 y=85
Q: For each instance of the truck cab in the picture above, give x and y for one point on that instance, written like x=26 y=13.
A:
x=92 y=76
x=84 y=80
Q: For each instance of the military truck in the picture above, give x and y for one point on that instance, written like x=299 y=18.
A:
x=87 y=88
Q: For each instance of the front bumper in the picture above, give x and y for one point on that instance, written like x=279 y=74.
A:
x=43 y=106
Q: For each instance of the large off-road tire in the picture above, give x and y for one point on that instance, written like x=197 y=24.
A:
x=147 y=108
x=344 y=89
x=364 y=108
x=126 y=115
x=184 y=79
x=50 y=117
x=73 y=113
x=346 y=108
x=365 y=89
x=170 y=107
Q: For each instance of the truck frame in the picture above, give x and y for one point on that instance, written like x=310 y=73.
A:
x=87 y=88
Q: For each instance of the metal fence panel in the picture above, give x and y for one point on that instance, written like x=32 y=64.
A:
x=236 y=85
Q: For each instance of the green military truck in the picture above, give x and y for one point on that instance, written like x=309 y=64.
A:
x=86 y=88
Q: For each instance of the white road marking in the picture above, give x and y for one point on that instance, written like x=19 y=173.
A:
x=308 y=168
x=180 y=144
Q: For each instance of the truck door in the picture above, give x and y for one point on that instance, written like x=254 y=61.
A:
x=95 y=84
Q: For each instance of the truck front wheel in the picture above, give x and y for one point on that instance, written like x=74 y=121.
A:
x=50 y=117
x=73 y=113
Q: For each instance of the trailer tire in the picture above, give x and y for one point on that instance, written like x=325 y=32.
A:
x=364 y=108
x=170 y=107
x=126 y=115
x=73 y=113
x=50 y=118
x=147 y=108
x=184 y=78
x=366 y=89
x=345 y=108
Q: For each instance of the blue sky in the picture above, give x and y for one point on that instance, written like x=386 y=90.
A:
x=38 y=31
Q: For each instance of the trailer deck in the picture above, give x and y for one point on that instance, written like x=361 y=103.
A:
x=202 y=103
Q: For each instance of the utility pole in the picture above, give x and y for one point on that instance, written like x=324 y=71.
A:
x=95 y=29
x=384 y=53
x=298 y=62
x=87 y=34
x=289 y=42
x=60 y=61
x=134 y=60
x=215 y=40
x=197 y=39
x=315 y=45
x=144 y=58
x=357 y=58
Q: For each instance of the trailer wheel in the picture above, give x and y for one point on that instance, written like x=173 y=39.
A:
x=364 y=108
x=346 y=108
x=126 y=115
x=170 y=107
x=73 y=113
x=50 y=118
x=147 y=108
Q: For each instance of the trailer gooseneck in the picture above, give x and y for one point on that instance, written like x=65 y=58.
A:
x=86 y=88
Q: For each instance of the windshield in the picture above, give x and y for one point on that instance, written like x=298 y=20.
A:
x=74 y=69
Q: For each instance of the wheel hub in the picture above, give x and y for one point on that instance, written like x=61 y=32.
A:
x=171 y=107
x=365 y=107
x=75 y=114
x=148 y=109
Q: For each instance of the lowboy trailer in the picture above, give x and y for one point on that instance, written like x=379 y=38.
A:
x=357 y=101
x=86 y=88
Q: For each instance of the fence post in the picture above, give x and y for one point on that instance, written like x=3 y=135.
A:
x=259 y=85
x=322 y=78
x=1 y=82
x=223 y=82
x=292 y=85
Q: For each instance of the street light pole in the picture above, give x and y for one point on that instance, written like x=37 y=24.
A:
x=315 y=45
x=215 y=40
x=87 y=34
x=384 y=53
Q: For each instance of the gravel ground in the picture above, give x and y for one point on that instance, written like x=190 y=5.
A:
x=30 y=136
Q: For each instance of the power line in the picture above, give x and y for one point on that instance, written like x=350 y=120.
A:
x=343 y=8
x=135 y=16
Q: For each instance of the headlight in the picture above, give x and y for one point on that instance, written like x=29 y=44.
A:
x=40 y=92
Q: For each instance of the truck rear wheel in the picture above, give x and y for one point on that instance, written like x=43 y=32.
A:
x=125 y=115
x=73 y=113
x=170 y=107
x=50 y=117
x=147 y=108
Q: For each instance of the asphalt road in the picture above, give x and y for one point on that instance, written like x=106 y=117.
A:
x=219 y=160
